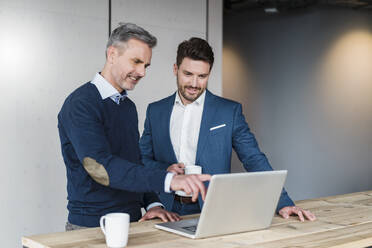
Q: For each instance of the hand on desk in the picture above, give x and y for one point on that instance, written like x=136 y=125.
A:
x=159 y=212
x=191 y=184
x=294 y=210
x=177 y=169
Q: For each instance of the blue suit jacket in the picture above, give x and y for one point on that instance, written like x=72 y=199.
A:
x=214 y=146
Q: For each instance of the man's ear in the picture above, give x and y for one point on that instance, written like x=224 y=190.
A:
x=175 y=69
x=111 y=54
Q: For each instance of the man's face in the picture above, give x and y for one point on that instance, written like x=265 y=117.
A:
x=192 y=78
x=128 y=64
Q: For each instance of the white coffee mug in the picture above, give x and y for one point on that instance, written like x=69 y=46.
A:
x=193 y=169
x=190 y=169
x=115 y=226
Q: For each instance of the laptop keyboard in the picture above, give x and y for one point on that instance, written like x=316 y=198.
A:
x=190 y=228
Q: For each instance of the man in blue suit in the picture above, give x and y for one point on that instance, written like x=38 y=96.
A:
x=193 y=126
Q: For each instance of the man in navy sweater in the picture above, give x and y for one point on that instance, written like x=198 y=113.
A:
x=98 y=128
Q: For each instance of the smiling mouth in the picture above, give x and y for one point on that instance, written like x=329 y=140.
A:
x=133 y=79
x=192 y=90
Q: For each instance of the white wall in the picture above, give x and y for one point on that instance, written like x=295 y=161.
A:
x=47 y=49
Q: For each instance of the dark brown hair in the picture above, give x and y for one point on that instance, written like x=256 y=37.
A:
x=196 y=49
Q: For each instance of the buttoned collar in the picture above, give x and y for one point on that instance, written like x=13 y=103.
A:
x=106 y=90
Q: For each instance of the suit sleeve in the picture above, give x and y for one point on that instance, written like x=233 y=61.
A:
x=246 y=147
x=83 y=126
x=147 y=146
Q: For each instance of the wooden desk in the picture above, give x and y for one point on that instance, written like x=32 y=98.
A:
x=343 y=221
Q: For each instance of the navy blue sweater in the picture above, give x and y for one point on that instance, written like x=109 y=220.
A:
x=106 y=133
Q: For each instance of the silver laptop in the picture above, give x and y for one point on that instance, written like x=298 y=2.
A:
x=234 y=203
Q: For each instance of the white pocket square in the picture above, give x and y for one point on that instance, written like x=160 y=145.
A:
x=219 y=126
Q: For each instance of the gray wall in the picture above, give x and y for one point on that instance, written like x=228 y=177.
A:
x=49 y=48
x=305 y=81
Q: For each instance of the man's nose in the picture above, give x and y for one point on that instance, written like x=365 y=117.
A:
x=194 y=82
x=141 y=71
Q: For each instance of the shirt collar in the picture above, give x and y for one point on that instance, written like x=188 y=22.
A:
x=106 y=90
x=198 y=102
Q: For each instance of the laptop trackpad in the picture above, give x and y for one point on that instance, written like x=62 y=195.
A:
x=187 y=226
x=190 y=228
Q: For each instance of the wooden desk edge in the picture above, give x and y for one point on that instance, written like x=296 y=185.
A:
x=34 y=241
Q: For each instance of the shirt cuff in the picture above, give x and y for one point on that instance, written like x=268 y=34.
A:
x=167 y=182
x=154 y=204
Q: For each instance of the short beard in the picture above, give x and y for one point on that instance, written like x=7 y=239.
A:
x=182 y=91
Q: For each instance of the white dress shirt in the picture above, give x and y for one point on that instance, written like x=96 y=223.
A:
x=106 y=90
x=184 y=128
x=184 y=132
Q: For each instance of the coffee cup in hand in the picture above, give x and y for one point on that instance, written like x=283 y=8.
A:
x=190 y=169
x=193 y=169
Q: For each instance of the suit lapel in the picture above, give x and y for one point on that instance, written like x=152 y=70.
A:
x=166 y=122
x=209 y=111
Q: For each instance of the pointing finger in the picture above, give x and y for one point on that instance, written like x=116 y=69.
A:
x=204 y=177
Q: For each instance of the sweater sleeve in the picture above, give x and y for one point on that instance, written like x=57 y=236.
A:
x=82 y=123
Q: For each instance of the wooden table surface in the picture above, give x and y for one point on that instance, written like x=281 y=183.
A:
x=342 y=221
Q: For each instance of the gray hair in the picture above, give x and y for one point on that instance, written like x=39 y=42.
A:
x=127 y=31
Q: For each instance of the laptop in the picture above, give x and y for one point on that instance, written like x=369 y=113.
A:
x=237 y=202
